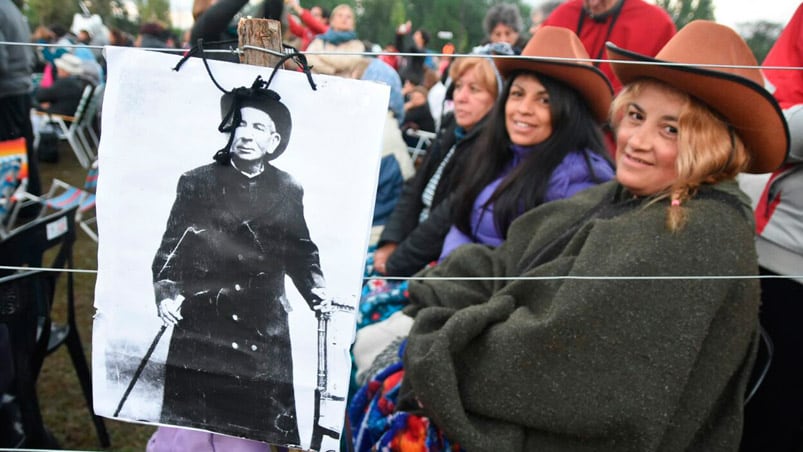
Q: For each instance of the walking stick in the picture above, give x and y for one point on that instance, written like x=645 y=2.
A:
x=321 y=393
x=140 y=368
x=160 y=333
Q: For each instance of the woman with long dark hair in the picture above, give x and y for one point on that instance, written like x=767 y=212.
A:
x=542 y=142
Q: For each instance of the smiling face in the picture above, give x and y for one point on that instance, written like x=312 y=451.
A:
x=255 y=137
x=472 y=100
x=647 y=140
x=503 y=33
x=528 y=118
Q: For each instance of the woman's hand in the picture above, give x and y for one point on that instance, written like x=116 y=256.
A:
x=381 y=256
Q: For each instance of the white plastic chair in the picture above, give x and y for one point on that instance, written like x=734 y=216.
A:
x=420 y=148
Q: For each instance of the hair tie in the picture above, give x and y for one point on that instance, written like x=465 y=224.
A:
x=675 y=203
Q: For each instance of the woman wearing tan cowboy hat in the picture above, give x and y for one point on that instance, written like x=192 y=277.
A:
x=543 y=141
x=612 y=331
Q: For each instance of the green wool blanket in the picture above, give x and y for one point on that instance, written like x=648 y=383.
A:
x=580 y=364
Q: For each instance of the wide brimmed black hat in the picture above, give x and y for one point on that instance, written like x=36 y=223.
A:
x=267 y=101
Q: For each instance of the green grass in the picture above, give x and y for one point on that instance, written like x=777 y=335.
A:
x=63 y=408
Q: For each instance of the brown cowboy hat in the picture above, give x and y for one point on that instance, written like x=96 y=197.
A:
x=566 y=48
x=736 y=93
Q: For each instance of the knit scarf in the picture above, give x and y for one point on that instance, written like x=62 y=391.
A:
x=337 y=37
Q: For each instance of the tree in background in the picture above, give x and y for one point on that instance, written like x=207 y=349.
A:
x=685 y=11
x=113 y=12
x=47 y=12
x=377 y=19
x=154 y=11
x=760 y=36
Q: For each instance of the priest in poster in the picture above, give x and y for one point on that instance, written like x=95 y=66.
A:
x=235 y=230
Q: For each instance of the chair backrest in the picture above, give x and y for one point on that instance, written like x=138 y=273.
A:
x=80 y=112
x=762 y=365
x=94 y=103
x=91 y=181
x=26 y=245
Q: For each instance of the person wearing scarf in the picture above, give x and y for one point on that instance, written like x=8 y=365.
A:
x=337 y=51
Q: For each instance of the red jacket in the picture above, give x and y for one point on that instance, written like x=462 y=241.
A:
x=307 y=29
x=787 y=51
x=639 y=27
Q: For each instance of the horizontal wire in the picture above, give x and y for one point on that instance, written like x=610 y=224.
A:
x=412 y=54
x=496 y=278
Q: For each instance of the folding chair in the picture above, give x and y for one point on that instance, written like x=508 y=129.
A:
x=420 y=148
x=72 y=132
x=25 y=247
x=21 y=296
x=762 y=365
x=86 y=129
x=63 y=196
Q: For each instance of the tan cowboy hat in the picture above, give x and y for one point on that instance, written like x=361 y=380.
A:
x=736 y=93
x=582 y=76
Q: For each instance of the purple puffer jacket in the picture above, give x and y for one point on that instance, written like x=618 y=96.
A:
x=569 y=177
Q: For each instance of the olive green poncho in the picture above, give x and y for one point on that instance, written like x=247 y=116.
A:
x=593 y=364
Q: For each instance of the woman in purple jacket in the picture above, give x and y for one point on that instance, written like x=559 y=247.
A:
x=542 y=143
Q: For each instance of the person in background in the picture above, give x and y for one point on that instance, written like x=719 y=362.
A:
x=446 y=59
x=118 y=37
x=58 y=35
x=396 y=166
x=64 y=96
x=417 y=115
x=84 y=37
x=387 y=57
x=151 y=36
x=533 y=346
x=774 y=416
x=633 y=24
x=416 y=66
x=309 y=24
x=42 y=35
x=216 y=22
x=16 y=66
x=503 y=23
x=340 y=38
x=541 y=12
x=409 y=241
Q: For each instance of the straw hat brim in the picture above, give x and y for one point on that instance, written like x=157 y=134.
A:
x=748 y=107
x=587 y=80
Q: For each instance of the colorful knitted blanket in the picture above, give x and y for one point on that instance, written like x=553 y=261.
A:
x=379 y=427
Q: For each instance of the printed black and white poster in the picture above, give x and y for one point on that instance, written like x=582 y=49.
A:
x=233 y=228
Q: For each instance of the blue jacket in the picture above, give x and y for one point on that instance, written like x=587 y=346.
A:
x=388 y=190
